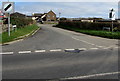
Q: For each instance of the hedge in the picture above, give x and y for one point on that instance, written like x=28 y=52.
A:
x=21 y=22
x=88 y=25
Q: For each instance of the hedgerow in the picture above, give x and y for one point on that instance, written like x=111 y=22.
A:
x=87 y=25
x=21 y=22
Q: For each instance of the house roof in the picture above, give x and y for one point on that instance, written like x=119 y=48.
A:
x=17 y=14
x=51 y=11
x=37 y=14
x=40 y=14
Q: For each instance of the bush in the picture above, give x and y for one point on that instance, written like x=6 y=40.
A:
x=21 y=22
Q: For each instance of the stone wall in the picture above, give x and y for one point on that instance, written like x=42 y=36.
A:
x=5 y=27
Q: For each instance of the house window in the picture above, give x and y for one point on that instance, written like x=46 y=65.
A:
x=53 y=16
x=48 y=15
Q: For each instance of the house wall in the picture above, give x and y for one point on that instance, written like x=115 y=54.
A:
x=33 y=18
x=118 y=21
x=86 y=20
x=51 y=16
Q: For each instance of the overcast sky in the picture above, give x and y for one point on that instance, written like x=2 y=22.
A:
x=68 y=9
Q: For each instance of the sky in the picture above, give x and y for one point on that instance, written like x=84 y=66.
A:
x=68 y=9
x=62 y=0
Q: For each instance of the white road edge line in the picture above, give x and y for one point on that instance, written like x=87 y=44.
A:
x=7 y=53
x=38 y=51
x=94 y=75
x=24 y=52
x=55 y=50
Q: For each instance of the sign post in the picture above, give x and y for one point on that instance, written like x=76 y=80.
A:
x=112 y=16
x=8 y=7
x=9 y=24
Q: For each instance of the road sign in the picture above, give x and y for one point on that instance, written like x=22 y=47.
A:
x=112 y=14
x=8 y=7
x=1 y=15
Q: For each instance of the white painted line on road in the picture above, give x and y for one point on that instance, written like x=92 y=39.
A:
x=112 y=46
x=93 y=48
x=69 y=49
x=75 y=38
x=83 y=41
x=100 y=46
x=24 y=52
x=107 y=47
x=55 y=50
x=37 y=51
x=116 y=47
x=6 y=53
x=94 y=75
x=92 y=44
x=82 y=48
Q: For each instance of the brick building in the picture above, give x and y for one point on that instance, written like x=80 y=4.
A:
x=50 y=16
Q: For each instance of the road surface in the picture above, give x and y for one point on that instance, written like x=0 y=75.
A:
x=54 y=53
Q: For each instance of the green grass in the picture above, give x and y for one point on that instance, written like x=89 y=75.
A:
x=100 y=33
x=18 y=33
x=105 y=34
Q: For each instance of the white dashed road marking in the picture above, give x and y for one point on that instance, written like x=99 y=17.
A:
x=93 y=48
x=38 y=51
x=117 y=47
x=82 y=48
x=106 y=47
x=7 y=53
x=88 y=43
x=55 y=50
x=69 y=49
x=24 y=52
x=83 y=41
x=100 y=46
x=94 y=75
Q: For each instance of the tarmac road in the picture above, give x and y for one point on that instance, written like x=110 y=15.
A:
x=54 y=53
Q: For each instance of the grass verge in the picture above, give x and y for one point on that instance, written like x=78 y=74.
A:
x=20 y=32
x=100 y=33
